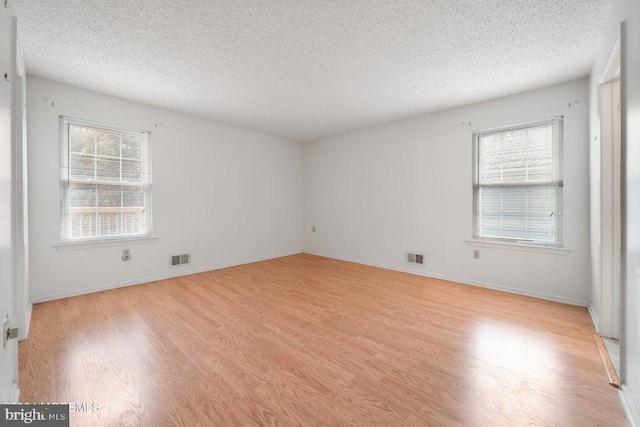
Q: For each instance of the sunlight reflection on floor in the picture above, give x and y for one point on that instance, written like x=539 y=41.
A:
x=505 y=346
x=513 y=367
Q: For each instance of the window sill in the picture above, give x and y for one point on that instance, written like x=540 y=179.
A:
x=518 y=247
x=75 y=246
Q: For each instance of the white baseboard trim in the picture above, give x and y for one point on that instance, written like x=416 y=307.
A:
x=143 y=280
x=630 y=408
x=24 y=329
x=14 y=396
x=539 y=295
x=594 y=317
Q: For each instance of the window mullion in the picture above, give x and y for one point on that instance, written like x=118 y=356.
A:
x=526 y=212
x=501 y=189
x=95 y=178
x=121 y=192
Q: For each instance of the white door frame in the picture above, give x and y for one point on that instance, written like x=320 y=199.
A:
x=610 y=191
x=21 y=223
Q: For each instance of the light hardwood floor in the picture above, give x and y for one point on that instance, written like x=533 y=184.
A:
x=305 y=340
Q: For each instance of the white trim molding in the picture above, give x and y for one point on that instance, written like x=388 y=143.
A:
x=594 y=317
x=608 y=73
x=24 y=330
x=630 y=408
x=75 y=246
x=518 y=247
x=14 y=396
x=523 y=292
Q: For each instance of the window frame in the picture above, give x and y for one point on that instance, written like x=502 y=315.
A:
x=65 y=200
x=556 y=181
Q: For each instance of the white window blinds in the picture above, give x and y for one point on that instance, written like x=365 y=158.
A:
x=105 y=175
x=518 y=183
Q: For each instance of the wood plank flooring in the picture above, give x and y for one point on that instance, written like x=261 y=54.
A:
x=305 y=340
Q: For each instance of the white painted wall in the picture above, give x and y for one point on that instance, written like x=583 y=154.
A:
x=377 y=193
x=629 y=11
x=226 y=195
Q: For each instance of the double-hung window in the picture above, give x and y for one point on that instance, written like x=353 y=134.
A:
x=517 y=188
x=105 y=176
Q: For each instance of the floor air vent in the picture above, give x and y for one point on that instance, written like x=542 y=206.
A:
x=183 y=259
x=415 y=258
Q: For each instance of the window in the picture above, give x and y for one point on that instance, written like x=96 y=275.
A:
x=517 y=189
x=105 y=175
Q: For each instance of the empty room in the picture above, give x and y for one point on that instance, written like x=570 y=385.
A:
x=319 y=213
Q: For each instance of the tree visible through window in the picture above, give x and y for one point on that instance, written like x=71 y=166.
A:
x=106 y=182
x=518 y=183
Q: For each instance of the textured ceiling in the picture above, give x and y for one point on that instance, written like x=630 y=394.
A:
x=305 y=69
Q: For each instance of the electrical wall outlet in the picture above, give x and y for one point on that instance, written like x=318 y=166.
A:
x=476 y=254
x=313 y=228
x=126 y=255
